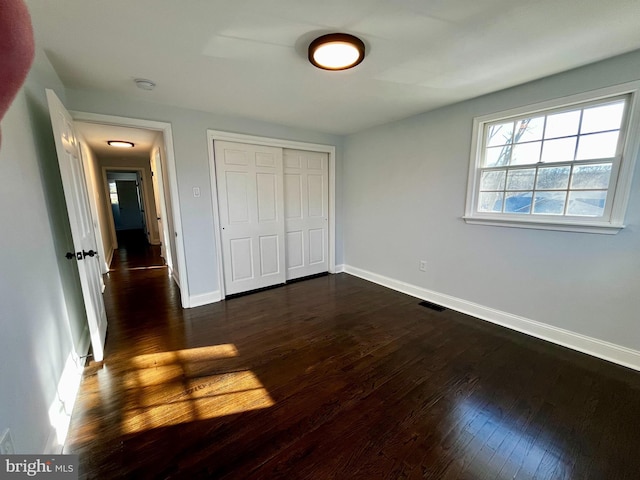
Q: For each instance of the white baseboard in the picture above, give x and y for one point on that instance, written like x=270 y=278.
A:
x=107 y=261
x=592 y=346
x=62 y=404
x=175 y=278
x=82 y=349
x=52 y=446
x=339 y=268
x=204 y=299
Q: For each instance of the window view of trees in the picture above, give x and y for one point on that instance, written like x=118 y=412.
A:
x=554 y=164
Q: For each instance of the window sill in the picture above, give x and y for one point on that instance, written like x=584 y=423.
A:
x=585 y=227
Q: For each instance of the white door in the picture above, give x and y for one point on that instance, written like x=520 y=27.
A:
x=250 y=192
x=77 y=200
x=158 y=193
x=306 y=207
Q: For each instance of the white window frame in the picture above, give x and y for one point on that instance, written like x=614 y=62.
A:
x=619 y=188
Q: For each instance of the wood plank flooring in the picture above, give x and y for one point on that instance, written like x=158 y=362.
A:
x=336 y=377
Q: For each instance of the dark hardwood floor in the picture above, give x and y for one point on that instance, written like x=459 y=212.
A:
x=336 y=377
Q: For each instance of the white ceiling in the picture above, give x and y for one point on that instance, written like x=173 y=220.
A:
x=97 y=136
x=247 y=58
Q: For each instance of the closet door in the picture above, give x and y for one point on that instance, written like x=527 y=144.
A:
x=251 y=202
x=306 y=207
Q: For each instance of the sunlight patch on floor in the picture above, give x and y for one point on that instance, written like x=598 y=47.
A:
x=170 y=388
x=213 y=352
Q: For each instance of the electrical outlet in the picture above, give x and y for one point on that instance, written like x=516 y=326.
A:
x=6 y=443
x=423 y=266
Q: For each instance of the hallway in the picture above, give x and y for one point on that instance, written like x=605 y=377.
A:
x=139 y=296
x=336 y=377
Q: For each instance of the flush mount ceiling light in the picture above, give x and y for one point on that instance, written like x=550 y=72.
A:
x=336 y=51
x=145 y=84
x=120 y=144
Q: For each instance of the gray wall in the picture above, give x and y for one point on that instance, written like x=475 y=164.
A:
x=41 y=311
x=404 y=196
x=192 y=165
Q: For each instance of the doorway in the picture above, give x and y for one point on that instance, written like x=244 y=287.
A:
x=156 y=193
x=126 y=201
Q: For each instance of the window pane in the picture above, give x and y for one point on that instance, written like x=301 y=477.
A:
x=519 y=202
x=562 y=124
x=113 y=193
x=561 y=150
x=549 y=203
x=500 y=134
x=529 y=129
x=490 y=202
x=526 y=153
x=553 y=178
x=586 y=203
x=599 y=119
x=493 y=180
x=521 y=179
x=591 y=176
x=497 y=156
x=597 y=145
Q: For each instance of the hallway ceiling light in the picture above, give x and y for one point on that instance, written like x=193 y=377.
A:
x=120 y=144
x=336 y=51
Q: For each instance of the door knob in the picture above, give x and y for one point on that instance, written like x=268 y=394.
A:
x=70 y=256
x=90 y=253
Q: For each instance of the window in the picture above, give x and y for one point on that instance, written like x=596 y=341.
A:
x=561 y=165
x=113 y=192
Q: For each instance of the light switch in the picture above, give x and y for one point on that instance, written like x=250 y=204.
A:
x=196 y=192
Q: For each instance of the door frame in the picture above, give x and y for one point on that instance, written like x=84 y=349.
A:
x=167 y=134
x=213 y=135
x=161 y=210
x=141 y=187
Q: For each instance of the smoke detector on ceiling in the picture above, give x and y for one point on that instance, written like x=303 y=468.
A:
x=145 y=84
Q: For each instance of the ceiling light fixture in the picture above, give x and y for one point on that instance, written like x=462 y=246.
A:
x=120 y=144
x=336 y=51
x=145 y=84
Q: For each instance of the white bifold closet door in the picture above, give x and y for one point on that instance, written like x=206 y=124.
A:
x=251 y=202
x=273 y=205
x=306 y=207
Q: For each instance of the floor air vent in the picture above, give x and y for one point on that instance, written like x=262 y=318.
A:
x=432 y=306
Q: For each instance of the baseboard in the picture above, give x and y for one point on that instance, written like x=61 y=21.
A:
x=61 y=407
x=204 y=299
x=52 y=446
x=339 y=268
x=82 y=349
x=175 y=278
x=109 y=258
x=66 y=394
x=592 y=346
